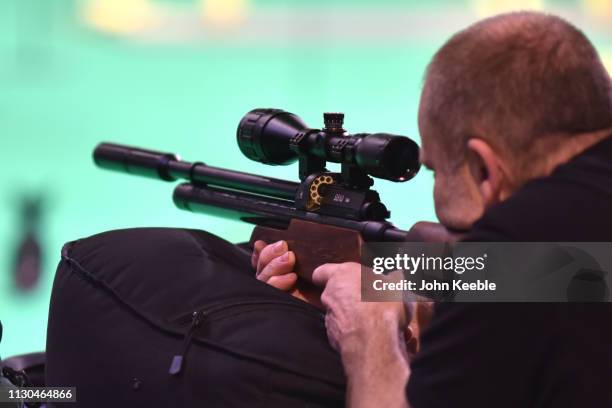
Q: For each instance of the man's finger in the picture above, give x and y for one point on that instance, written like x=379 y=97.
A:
x=269 y=253
x=283 y=282
x=281 y=265
x=321 y=275
x=258 y=246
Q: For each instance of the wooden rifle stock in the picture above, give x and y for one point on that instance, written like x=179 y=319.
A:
x=313 y=245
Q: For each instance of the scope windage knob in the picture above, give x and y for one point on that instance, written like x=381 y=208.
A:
x=333 y=122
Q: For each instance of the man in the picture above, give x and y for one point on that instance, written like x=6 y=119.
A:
x=516 y=122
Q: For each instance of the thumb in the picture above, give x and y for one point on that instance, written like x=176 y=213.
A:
x=321 y=275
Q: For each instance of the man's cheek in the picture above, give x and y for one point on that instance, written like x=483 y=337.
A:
x=449 y=202
x=440 y=201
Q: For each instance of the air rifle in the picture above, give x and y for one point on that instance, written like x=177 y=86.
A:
x=325 y=217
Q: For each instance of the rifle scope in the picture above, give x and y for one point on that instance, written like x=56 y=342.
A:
x=276 y=137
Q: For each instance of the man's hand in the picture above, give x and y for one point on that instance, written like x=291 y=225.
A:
x=368 y=335
x=274 y=265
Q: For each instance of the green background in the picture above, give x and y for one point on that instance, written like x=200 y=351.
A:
x=65 y=87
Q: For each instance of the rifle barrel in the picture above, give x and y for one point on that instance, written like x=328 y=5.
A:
x=231 y=194
x=168 y=167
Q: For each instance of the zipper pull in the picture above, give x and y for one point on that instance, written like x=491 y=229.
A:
x=178 y=360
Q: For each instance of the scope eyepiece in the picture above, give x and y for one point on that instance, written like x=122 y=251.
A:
x=276 y=137
x=388 y=157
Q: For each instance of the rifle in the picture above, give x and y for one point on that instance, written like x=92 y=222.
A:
x=324 y=218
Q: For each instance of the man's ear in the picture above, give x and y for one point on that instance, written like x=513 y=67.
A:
x=486 y=168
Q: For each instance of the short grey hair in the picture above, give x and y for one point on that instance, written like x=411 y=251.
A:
x=514 y=78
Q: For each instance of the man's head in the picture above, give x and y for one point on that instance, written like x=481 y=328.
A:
x=505 y=101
